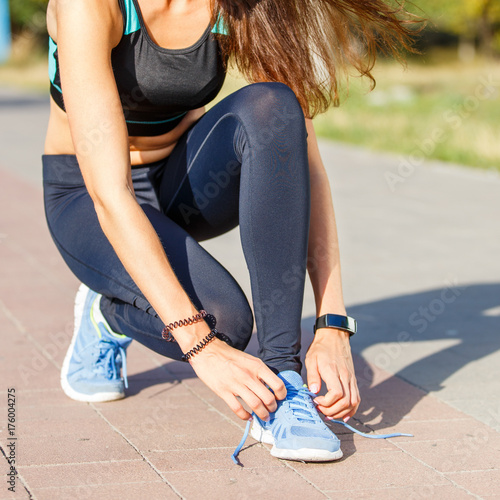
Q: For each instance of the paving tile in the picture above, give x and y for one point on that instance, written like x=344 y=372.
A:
x=458 y=430
x=351 y=443
x=484 y=483
x=123 y=491
x=187 y=430
x=51 y=421
x=449 y=456
x=417 y=492
x=161 y=395
x=368 y=374
x=150 y=419
x=20 y=493
x=389 y=401
x=73 y=442
x=32 y=372
x=253 y=455
x=140 y=366
x=89 y=474
x=34 y=399
x=370 y=470
x=379 y=410
x=198 y=389
x=155 y=379
x=244 y=484
x=23 y=365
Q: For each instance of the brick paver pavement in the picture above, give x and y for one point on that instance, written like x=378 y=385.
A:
x=172 y=437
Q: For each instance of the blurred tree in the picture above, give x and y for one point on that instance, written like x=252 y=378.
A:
x=29 y=31
x=472 y=20
x=27 y=15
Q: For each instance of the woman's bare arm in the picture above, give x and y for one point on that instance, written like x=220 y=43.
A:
x=87 y=30
x=329 y=357
x=86 y=33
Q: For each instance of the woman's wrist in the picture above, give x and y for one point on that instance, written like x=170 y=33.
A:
x=331 y=307
x=189 y=336
x=211 y=350
x=330 y=334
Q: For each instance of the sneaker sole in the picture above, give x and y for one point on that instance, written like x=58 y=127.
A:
x=100 y=397
x=302 y=454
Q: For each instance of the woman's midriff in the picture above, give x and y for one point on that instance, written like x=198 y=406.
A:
x=142 y=149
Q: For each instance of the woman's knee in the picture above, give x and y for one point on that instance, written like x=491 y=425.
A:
x=234 y=318
x=271 y=109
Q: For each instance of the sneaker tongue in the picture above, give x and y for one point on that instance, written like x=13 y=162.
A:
x=291 y=378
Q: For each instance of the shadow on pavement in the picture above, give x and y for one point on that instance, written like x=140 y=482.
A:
x=442 y=330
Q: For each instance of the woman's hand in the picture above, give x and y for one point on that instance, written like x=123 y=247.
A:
x=231 y=373
x=329 y=359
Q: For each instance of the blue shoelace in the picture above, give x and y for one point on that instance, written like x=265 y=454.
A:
x=307 y=396
x=107 y=360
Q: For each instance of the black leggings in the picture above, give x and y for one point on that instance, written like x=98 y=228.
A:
x=243 y=162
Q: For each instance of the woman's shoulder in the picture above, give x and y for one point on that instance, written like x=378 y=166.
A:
x=107 y=11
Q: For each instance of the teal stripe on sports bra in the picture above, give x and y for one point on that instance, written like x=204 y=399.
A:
x=157 y=122
x=52 y=63
x=132 y=23
x=220 y=27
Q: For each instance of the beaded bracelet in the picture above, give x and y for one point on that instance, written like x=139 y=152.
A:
x=198 y=347
x=167 y=330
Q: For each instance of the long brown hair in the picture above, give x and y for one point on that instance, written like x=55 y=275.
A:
x=309 y=44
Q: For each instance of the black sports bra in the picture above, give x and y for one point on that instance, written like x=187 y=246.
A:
x=157 y=86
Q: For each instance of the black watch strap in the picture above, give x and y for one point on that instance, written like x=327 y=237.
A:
x=337 y=321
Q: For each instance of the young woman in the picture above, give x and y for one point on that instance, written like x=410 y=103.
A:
x=136 y=173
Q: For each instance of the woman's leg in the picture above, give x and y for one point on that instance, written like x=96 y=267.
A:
x=76 y=231
x=246 y=161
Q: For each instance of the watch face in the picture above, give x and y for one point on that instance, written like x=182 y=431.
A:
x=336 y=321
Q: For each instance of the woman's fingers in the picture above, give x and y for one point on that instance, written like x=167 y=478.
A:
x=355 y=397
x=336 y=387
x=343 y=415
x=274 y=382
x=236 y=406
x=345 y=406
x=342 y=398
x=254 y=402
x=240 y=375
x=264 y=394
x=341 y=408
x=313 y=375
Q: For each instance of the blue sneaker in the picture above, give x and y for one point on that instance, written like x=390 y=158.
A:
x=91 y=368
x=295 y=429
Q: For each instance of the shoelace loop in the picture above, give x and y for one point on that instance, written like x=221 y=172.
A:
x=301 y=403
x=108 y=353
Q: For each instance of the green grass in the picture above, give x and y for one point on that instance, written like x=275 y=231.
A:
x=441 y=111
